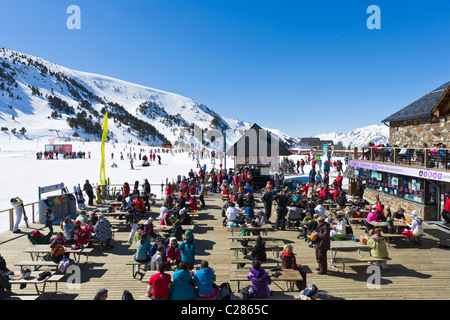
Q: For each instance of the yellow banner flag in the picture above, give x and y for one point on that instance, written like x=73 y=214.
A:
x=105 y=135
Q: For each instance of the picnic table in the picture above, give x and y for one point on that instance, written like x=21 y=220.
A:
x=250 y=238
x=264 y=228
x=384 y=224
x=149 y=273
x=168 y=228
x=33 y=279
x=41 y=251
x=344 y=245
x=289 y=276
x=273 y=246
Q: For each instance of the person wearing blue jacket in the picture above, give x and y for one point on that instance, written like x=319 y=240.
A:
x=204 y=279
x=248 y=188
x=182 y=284
x=187 y=249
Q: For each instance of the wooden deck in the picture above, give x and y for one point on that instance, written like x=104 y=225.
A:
x=413 y=273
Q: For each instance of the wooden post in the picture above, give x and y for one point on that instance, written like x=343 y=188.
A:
x=355 y=152
x=11 y=219
x=425 y=157
x=395 y=155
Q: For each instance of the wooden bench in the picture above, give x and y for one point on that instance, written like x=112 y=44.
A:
x=37 y=264
x=21 y=297
x=239 y=238
x=356 y=220
x=269 y=261
x=135 y=271
x=33 y=279
x=289 y=276
x=370 y=260
x=388 y=236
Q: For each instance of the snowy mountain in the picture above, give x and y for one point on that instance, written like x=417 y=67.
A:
x=378 y=134
x=37 y=96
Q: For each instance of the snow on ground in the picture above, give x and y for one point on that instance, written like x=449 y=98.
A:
x=22 y=173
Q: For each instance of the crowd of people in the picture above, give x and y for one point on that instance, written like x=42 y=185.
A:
x=175 y=250
x=50 y=155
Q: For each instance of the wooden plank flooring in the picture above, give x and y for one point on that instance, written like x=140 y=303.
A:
x=413 y=273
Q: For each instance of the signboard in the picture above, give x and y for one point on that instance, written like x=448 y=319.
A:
x=51 y=188
x=406 y=171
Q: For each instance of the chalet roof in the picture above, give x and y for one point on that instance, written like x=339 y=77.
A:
x=314 y=141
x=246 y=145
x=422 y=107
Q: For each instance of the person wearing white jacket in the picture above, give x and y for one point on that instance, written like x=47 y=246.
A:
x=415 y=228
x=339 y=231
x=18 y=212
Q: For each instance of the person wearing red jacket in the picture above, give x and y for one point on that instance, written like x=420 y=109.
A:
x=335 y=194
x=140 y=206
x=193 y=204
x=126 y=190
x=78 y=233
x=168 y=190
x=446 y=212
x=173 y=253
x=339 y=180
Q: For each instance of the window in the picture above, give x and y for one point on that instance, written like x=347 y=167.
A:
x=408 y=188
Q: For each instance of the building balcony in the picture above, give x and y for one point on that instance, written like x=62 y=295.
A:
x=420 y=158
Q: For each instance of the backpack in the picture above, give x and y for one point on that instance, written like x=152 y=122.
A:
x=246 y=293
x=64 y=264
x=127 y=295
x=224 y=292
x=5 y=286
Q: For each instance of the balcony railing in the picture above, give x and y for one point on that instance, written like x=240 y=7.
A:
x=417 y=157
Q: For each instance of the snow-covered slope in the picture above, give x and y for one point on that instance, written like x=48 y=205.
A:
x=359 y=137
x=38 y=95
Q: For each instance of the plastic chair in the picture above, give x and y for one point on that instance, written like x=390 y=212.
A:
x=46 y=239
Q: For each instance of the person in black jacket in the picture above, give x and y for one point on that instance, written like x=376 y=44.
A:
x=90 y=192
x=267 y=199
x=283 y=201
x=258 y=252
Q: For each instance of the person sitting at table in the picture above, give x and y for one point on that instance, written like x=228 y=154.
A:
x=158 y=285
x=182 y=284
x=62 y=240
x=103 y=231
x=260 y=218
x=288 y=261
x=260 y=281
x=204 y=279
x=258 y=252
x=193 y=204
x=173 y=254
x=339 y=230
x=143 y=250
x=371 y=217
x=415 y=229
x=312 y=226
x=304 y=225
x=399 y=214
x=378 y=246
x=231 y=214
x=58 y=252
x=67 y=226
x=158 y=242
x=158 y=258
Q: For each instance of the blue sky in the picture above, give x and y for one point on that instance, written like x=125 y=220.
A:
x=304 y=67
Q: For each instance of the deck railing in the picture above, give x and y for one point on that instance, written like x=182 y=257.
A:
x=419 y=157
